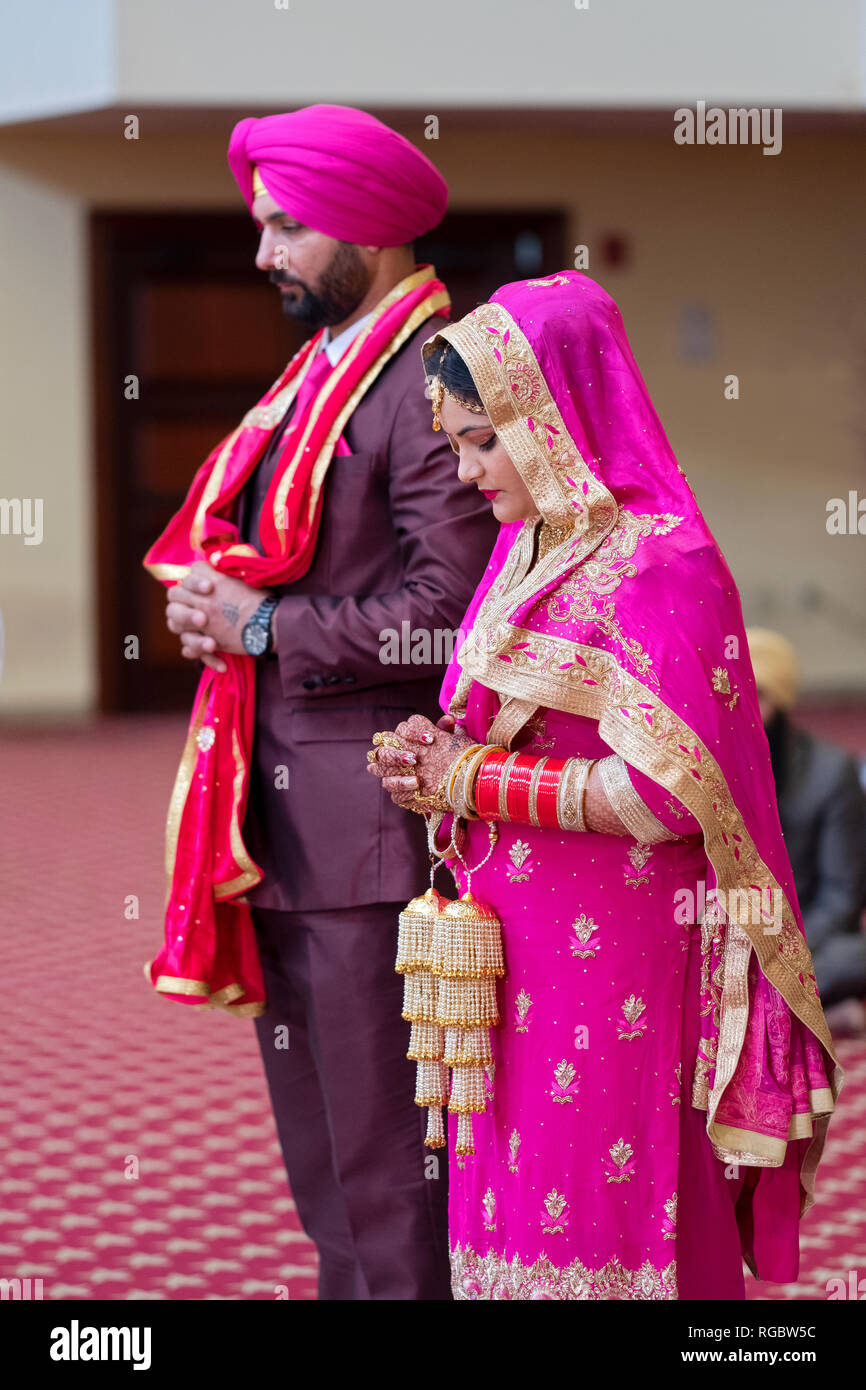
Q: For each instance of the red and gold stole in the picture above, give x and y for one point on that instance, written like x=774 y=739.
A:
x=209 y=955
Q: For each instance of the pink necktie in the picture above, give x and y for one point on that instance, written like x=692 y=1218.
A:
x=319 y=371
x=311 y=385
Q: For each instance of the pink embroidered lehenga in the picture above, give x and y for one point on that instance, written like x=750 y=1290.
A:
x=660 y=1087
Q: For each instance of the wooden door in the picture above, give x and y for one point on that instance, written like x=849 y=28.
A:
x=187 y=335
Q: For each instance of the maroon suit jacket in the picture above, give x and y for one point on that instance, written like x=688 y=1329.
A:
x=400 y=540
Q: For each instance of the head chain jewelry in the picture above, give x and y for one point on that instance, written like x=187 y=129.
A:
x=438 y=392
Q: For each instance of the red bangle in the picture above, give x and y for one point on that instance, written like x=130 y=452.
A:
x=517 y=790
x=486 y=791
x=548 y=788
x=524 y=767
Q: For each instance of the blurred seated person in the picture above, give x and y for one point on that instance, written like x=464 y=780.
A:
x=823 y=813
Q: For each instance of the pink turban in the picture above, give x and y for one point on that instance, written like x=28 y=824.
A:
x=341 y=172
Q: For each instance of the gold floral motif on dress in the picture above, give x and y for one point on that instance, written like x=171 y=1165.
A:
x=712 y=921
x=632 y=1025
x=669 y=1224
x=582 y=943
x=554 y=1218
x=639 y=855
x=621 y=1164
x=488 y=1202
x=675 y=1090
x=722 y=685
x=537 y=726
x=492 y=1277
x=564 y=1087
x=582 y=595
x=721 y=680
x=514 y=1152
x=712 y=986
x=523 y=865
x=489 y=1081
x=522 y=1006
x=706 y=1061
x=712 y=962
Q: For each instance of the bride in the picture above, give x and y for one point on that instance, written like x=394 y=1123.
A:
x=651 y=1102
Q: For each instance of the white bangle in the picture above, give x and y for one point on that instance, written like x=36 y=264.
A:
x=572 y=788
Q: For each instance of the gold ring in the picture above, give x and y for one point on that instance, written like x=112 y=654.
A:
x=372 y=755
x=386 y=740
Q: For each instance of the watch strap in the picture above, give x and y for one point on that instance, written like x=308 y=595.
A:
x=262 y=619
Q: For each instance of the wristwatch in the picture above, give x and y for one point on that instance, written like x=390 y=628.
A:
x=256 y=636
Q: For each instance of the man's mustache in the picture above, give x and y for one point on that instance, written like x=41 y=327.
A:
x=279 y=277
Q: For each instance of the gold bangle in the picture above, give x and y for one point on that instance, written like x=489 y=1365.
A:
x=458 y=801
x=451 y=775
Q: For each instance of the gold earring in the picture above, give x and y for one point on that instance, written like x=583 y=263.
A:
x=437 y=395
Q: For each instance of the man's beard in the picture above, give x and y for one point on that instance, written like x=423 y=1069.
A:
x=342 y=286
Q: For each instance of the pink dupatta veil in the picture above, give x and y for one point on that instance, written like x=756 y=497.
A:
x=633 y=619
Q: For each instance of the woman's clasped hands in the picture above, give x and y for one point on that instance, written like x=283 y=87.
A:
x=412 y=761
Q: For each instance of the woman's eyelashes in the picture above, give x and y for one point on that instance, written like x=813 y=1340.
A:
x=482 y=448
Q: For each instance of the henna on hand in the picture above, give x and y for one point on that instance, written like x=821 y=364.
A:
x=422 y=762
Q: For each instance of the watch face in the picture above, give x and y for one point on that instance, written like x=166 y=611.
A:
x=255 y=639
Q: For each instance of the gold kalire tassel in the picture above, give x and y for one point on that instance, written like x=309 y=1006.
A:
x=467 y=959
x=450 y=953
x=427 y=1039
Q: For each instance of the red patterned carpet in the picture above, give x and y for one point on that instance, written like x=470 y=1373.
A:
x=102 y=1069
x=103 y=1080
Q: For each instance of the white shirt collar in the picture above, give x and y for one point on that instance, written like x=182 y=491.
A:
x=335 y=347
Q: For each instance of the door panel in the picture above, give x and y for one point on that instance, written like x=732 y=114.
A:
x=179 y=305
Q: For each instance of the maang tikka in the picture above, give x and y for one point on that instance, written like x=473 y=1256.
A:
x=438 y=392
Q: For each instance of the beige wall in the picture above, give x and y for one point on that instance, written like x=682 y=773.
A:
x=771 y=247
x=608 y=53
x=46 y=590
x=57 y=57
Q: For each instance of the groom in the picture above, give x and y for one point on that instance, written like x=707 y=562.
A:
x=338 y=198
